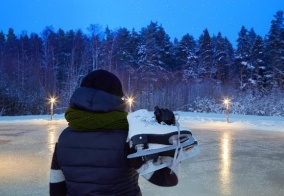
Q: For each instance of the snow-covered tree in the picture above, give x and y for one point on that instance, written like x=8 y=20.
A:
x=242 y=57
x=258 y=77
x=179 y=75
x=186 y=58
x=221 y=59
x=275 y=49
x=252 y=36
x=206 y=68
x=127 y=50
x=155 y=47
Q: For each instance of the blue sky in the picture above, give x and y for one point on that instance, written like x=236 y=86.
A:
x=178 y=17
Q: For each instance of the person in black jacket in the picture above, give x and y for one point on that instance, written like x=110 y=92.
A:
x=90 y=157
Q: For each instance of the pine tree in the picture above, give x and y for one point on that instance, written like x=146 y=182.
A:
x=3 y=78
x=186 y=57
x=230 y=54
x=275 y=50
x=125 y=46
x=122 y=46
x=11 y=54
x=221 y=59
x=155 y=46
x=258 y=77
x=252 y=36
x=242 y=57
x=205 y=56
x=2 y=50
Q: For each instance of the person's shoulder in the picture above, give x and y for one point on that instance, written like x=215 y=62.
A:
x=65 y=131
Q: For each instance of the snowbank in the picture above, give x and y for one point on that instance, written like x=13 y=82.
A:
x=193 y=120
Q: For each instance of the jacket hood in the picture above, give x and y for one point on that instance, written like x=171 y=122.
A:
x=94 y=100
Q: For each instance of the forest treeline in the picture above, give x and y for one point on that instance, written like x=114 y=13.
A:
x=188 y=74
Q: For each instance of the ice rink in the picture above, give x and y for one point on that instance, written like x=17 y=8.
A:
x=231 y=162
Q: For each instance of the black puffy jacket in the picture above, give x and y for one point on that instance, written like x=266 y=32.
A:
x=94 y=163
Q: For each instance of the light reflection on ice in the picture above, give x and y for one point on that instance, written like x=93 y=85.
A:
x=51 y=137
x=225 y=165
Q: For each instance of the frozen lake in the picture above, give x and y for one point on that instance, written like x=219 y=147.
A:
x=242 y=162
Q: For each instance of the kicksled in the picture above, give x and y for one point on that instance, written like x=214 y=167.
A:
x=159 y=145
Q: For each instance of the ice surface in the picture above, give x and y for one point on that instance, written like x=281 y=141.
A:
x=243 y=157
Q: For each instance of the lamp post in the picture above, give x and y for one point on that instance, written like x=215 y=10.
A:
x=226 y=101
x=52 y=100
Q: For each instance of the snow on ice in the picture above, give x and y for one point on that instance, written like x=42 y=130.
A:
x=190 y=119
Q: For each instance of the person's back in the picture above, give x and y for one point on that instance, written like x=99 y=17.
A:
x=90 y=156
x=93 y=162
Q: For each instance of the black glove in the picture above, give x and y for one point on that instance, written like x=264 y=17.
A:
x=164 y=115
x=164 y=177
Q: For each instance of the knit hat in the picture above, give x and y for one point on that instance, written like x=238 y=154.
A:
x=104 y=81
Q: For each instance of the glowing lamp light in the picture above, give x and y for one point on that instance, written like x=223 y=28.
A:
x=52 y=100
x=130 y=101
x=227 y=103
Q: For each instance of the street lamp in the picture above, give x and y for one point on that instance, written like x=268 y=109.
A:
x=227 y=102
x=52 y=100
x=130 y=101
